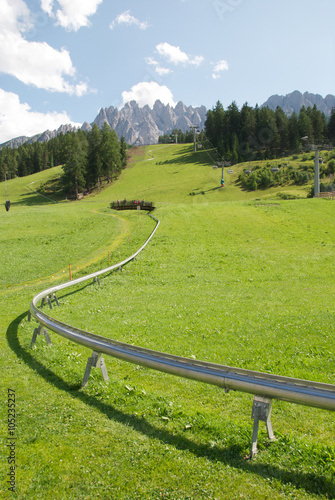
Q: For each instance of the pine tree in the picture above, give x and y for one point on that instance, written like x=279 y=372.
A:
x=331 y=127
x=94 y=164
x=319 y=124
x=305 y=125
x=293 y=133
x=75 y=166
x=123 y=152
x=282 y=129
x=110 y=153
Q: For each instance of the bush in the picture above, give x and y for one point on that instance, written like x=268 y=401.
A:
x=301 y=177
x=331 y=167
x=287 y=196
x=324 y=188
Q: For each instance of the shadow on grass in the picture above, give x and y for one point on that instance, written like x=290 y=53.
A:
x=232 y=455
x=33 y=198
x=197 y=191
x=187 y=155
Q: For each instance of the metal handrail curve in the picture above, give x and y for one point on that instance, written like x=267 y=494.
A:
x=315 y=394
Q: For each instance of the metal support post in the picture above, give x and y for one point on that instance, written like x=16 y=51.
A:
x=316 y=174
x=195 y=129
x=261 y=410
x=95 y=361
x=48 y=299
x=96 y=280
x=40 y=330
x=55 y=298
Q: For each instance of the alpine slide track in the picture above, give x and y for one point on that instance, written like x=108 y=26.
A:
x=264 y=386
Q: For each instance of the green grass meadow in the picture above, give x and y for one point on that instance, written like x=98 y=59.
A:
x=239 y=278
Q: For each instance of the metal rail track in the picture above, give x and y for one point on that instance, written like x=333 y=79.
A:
x=264 y=386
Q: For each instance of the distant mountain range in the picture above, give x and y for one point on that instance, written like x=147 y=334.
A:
x=145 y=125
x=44 y=136
x=296 y=100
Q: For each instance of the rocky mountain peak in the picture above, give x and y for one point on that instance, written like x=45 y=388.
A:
x=295 y=100
x=143 y=125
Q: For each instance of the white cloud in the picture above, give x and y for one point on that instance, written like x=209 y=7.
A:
x=82 y=89
x=15 y=16
x=148 y=93
x=33 y=63
x=71 y=14
x=176 y=56
x=47 y=6
x=158 y=68
x=219 y=68
x=129 y=20
x=17 y=119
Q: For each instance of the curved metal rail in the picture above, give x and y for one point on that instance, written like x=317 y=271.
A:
x=264 y=386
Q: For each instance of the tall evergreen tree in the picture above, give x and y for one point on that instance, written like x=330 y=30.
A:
x=123 y=152
x=331 y=127
x=305 y=125
x=319 y=124
x=282 y=129
x=293 y=133
x=75 y=165
x=94 y=164
x=267 y=133
x=110 y=152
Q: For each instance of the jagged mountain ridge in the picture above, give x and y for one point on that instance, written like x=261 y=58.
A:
x=144 y=125
x=44 y=136
x=137 y=125
x=294 y=101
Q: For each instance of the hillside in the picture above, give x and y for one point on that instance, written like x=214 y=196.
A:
x=175 y=174
x=243 y=281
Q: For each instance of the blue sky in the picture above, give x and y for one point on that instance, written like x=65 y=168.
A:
x=61 y=61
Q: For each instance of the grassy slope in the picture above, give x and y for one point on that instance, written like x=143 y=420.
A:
x=169 y=173
x=244 y=283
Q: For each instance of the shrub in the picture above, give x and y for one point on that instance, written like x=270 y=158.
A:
x=301 y=177
x=324 y=188
x=331 y=166
x=287 y=196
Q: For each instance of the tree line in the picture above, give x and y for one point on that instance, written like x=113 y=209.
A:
x=87 y=158
x=261 y=133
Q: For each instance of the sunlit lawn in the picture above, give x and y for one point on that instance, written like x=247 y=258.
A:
x=242 y=283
